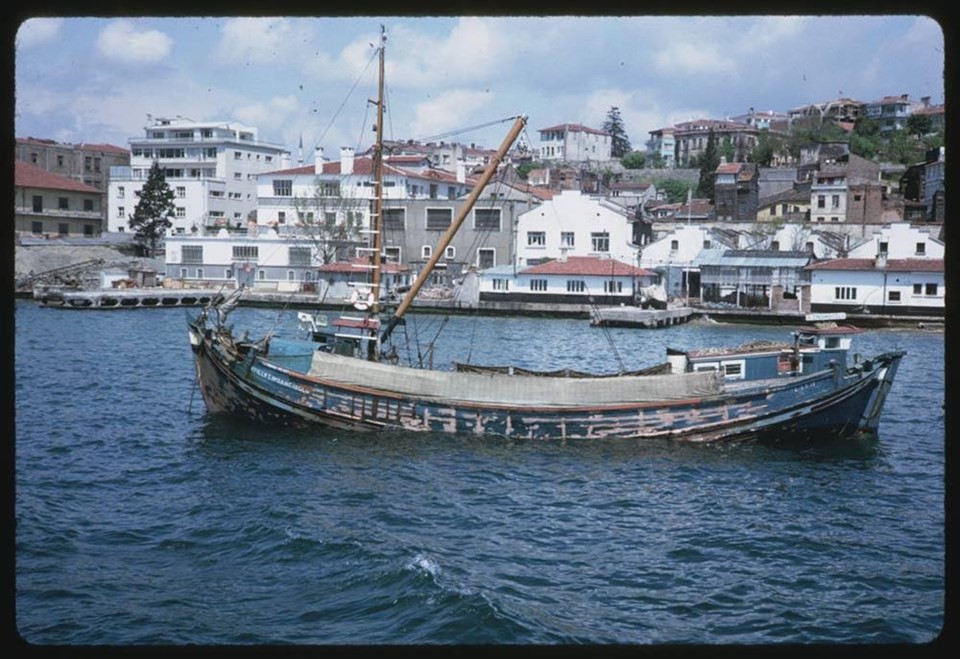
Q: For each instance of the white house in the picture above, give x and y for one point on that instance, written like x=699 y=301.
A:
x=264 y=260
x=570 y=280
x=211 y=167
x=572 y=224
x=571 y=143
x=906 y=287
x=900 y=240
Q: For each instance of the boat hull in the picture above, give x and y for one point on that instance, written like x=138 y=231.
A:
x=241 y=381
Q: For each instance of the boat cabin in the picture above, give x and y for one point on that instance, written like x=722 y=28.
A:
x=812 y=350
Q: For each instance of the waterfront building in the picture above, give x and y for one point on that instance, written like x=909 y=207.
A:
x=574 y=143
x=880 y=285
x=47 y=204
x=753 y=278
x=569 y=280
x=264 y=260
x=211 y=167
x=899 y=241
x=343 y=282
x=574 y=224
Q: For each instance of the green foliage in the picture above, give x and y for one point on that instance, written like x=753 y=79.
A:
x=620 y=143
x=709 y=161
x=675 y=189
x=919 y=124
x=635 y=160
x=152 y=216
x=524 y=168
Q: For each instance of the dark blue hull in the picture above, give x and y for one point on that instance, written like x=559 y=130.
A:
x=242 y=382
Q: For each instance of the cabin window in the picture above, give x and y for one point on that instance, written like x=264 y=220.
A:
x=831 y=342
x=486 y=219
x=733 y=370
x=538 y=285
x=439 y=218
x=536 y=239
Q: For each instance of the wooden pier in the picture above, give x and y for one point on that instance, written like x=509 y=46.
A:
x=637 y=317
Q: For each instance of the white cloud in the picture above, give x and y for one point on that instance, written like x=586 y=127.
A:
x=255 y=40
x=699 y=58
x=447 y=112
x=122 y=42
x=36 y=31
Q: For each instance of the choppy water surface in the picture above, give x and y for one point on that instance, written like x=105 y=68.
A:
x=142 y=520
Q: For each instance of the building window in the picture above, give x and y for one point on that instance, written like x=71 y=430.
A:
x=576 y=286
x=88 y=204
x=391 y=254
x=613 y=286
x=674 y=245
x=501 y=284
x=450 y=252
x=845 y=293
x=36 y=227
x=246 y=252
x=486 y=219
x=394 y=218
x=330 y=188
x=821 y=201
x=600 y=241
x=835 y=201
x=567 y=239
x=192 y=254
x=181 y=212
x=538 y=285
x=121 y=212
x=199 y=273
x=439 y=219
x=536 y=239
x=893 y=296
x=291 y=275
x=299 y=256
x=486 y=257
x=921 y=249
x=121 y=192
x=63 y=203
x=930 y=290
x=282 y=188
x=63 y=228
x=884 y=247
x=261 y=274
x=426 y=251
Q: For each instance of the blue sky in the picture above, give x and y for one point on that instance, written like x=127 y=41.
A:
x=96 y=79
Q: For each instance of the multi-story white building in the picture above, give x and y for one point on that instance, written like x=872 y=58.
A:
x=663 y=141
x=572 y=143
x=892 y=112
x=900 y=240
x=574 y=224
x=908 y=287
x=210 y=166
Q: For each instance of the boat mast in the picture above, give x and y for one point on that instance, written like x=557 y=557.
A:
x=373 y=313
x=448 y=235
x=378 y=184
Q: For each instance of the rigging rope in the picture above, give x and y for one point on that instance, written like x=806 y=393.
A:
x=376 y=52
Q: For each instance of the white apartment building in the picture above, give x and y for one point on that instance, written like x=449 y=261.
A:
x=572 y=143
x=900 y=240
x=574 y=224
x=210 y=166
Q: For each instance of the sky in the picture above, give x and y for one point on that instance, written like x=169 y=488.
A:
x=308 y=79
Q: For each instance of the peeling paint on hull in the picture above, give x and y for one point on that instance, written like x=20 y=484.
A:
x=815 y=405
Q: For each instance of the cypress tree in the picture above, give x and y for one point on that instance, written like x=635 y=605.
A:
x=709 y=162
x=151 y=217
x=619 y=143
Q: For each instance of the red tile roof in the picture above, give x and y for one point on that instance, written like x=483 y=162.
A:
x=31 y=176
x=587 y=265
x=893 y=265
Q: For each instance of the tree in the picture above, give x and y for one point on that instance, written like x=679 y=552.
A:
x=675 y=189
x=709 y=161
x=152 y=215
x=633 y=160
x=919 y=124
x=331 y=220
x=620 y=143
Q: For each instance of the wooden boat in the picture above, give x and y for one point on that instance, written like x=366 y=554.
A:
x=342 y=376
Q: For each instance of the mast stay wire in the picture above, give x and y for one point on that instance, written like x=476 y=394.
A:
x=336 y=114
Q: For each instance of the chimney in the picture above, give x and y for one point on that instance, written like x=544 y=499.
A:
x=346 y=160
x=461 y=171
x=880 y=263
x=318 y=160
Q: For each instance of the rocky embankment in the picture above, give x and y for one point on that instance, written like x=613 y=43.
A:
x=37 y=259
